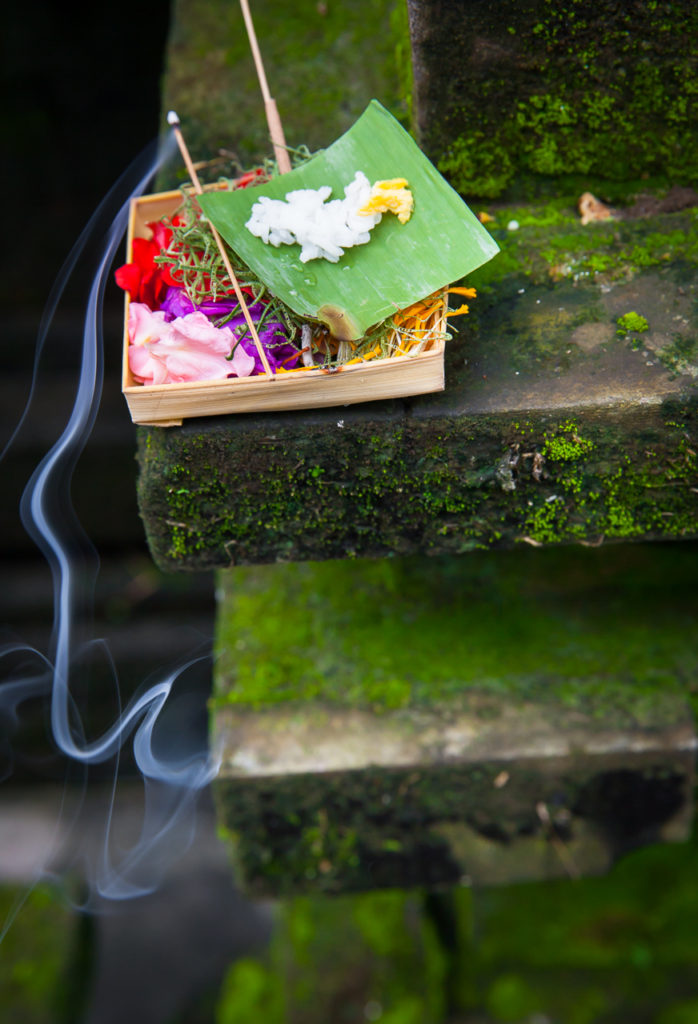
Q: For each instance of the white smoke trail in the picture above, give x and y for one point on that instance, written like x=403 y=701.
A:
x=172 y=783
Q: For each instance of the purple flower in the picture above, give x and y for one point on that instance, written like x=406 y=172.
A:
x=177 y=303
x=272 y=333
x=275 y=344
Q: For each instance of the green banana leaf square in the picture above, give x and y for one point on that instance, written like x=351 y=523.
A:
x=441 y=243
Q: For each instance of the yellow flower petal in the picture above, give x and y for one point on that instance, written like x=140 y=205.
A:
x=390 y=195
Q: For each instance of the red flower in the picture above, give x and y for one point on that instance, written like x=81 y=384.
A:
x=144 y=279
x=255 y=177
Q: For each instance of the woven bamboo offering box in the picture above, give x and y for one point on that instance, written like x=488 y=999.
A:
x=326 y=317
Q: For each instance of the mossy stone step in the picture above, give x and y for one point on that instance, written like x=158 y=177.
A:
x=620 y=947
x=563 y=420
x=375 y=956
x=559 y=423
x=428 y=721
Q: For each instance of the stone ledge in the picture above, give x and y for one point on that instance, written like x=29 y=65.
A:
x=483 y=822
x=553 y=427
x=237 y=492
x=322 y=739
x=428 y=721
x=537 y=363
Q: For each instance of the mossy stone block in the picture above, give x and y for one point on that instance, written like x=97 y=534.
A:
x=375 y=956
x=518 y=95
x=558 y=424
x=42 y=956
x=620 y=947
x=617 y=948
x=433 y=721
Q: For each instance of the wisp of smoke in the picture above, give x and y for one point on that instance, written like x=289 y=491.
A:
x=172 y=783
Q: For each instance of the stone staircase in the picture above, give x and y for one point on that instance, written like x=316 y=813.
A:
x=364 y=744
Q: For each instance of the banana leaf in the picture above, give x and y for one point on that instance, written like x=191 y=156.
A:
x=441 y=243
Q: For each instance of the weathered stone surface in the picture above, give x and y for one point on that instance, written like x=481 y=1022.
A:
x=619 y=948
x=405 y=633
x=374 y=956
x=555 y=425
x=481 y=819
x=425 y=721
x=513 y=94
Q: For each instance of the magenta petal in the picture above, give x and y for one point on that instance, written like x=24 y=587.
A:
x=177 y=302
x=218 y=307
x=191 y=348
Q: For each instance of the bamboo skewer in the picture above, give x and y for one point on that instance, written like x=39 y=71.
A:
x=173 y=121
x=273 y=120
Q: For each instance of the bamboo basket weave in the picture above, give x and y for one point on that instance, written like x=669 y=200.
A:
x=167 y=405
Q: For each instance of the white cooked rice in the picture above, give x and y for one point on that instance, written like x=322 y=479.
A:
x=322 y=229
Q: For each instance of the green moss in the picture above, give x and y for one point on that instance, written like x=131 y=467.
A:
x=475 y=167
x=551 y=246
x=324 y=850
x=680 y=356
x=685 y=1011
x=226 y=497
x=547 y=523
x=601 y=923
x=511 y=998
x=566 y=445
x=419 y=631
x=591 y=94
x=616 y=948
x=251 y=991
x=620 y=947
x=35 y=965
x=400 y=33
x=370 y=954
x=631 y=323
x=550 y=213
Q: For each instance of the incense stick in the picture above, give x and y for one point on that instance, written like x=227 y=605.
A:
x=273 y=120
x=173 y=121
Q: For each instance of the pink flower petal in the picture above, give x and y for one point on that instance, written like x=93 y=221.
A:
x=143 y=324
x=190 y=366
x=189 y=348
x=146 y=367
x=196 y=333
x=242 y=364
